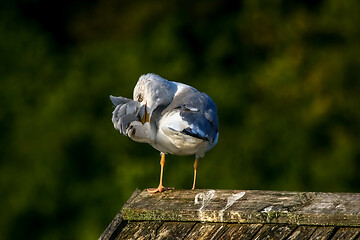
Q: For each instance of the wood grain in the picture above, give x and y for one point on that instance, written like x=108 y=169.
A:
x=240 y=231
x=237 y=206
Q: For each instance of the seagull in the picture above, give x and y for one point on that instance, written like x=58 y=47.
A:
x=172 y=117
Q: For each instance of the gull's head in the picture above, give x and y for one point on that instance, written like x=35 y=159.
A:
x=152 y=90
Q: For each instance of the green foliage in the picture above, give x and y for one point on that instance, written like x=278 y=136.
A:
x=285 y=79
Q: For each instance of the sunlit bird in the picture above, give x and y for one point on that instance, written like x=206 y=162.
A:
x=172 y=117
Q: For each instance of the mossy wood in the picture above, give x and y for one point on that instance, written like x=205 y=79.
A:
x=237 y=214
x=246 y=206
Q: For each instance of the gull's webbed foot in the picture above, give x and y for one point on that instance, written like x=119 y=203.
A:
x=159 y=189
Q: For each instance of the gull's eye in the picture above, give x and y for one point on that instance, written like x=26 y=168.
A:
x=140 y=98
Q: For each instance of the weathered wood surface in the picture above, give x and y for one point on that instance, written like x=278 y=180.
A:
x=174 y=230
x=302 y=232
x=221 y=231
x=274 y=231
x=142 y=230
x=235 y=214
x=346 y=233
x=322 y=233
x=237 y=206
x=240 y=231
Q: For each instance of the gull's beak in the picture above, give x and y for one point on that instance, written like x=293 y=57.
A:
x=146 y=117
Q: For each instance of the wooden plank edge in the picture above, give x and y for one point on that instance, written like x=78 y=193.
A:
x=277 y=215
x=244 y=217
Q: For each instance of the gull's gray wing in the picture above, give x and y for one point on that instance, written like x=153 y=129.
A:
x=199 y=111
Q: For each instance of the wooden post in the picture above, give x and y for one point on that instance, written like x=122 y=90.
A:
x=237 y=206
x=237 y=214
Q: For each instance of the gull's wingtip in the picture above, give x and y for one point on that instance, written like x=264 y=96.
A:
x=118 y=100
x=113 y=100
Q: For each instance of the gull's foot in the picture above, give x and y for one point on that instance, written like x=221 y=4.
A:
x=159 y=189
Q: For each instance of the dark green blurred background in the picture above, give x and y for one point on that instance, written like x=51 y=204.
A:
x=285 y=76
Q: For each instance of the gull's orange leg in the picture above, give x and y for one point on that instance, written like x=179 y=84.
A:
x=160 y=188
x=195 y=170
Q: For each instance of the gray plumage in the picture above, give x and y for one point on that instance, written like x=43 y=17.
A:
x=126 y=111
x=173 y=117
